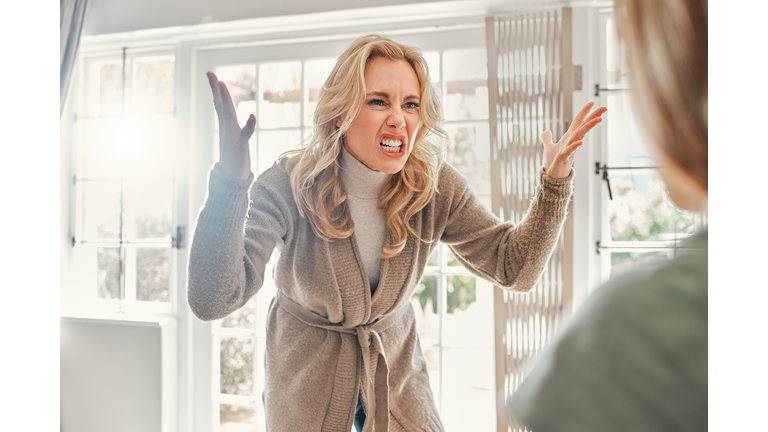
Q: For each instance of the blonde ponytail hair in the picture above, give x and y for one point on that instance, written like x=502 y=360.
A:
x=667 y=62
x=314 y=170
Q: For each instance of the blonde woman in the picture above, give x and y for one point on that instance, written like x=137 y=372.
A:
x=355 y=215
x=635 y=356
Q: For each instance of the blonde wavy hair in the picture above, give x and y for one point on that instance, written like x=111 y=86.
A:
x=667 y=62
x=315 y=170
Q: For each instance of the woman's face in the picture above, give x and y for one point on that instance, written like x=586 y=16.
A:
x=382 y=134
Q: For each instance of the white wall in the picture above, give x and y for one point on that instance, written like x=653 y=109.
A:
x=117 y=376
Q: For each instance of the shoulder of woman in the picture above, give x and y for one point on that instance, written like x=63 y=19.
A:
x=450 y=181
x=661 y=297
x=275 y=177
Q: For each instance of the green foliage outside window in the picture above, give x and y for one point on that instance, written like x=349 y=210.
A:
x=637 y=216
x=461 y=292
x=236 y=358
x=427 y=293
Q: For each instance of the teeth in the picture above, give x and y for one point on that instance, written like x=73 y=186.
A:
x=392 y=143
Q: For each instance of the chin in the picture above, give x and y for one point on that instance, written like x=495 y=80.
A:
x=692 y=202
x=391 y=169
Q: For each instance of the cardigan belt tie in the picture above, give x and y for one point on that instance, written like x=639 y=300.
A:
x=376 y=381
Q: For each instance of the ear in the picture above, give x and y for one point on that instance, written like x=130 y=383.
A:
x=339 y=121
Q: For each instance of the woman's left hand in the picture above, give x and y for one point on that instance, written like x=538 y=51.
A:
x=558 y=157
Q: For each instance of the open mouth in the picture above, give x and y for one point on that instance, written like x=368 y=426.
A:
x=391 y=146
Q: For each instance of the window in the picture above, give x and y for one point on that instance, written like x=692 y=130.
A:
x=123 y=183
x=640 y=222
x=454 y=308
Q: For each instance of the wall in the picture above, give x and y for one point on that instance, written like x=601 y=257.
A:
x=117 y=376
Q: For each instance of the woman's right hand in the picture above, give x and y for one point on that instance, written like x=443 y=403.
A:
x=234 y=155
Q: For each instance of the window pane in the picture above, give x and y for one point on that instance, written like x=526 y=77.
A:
x=279 y=93
x=316 y=72
x=234 y=418
x=108 y=273
x=468 y=396
x=244 y=317
x=236 y=359
x=623 y=261
x=433 y=61
x=240 y=81
x=468 y=322
x=460 y=293
x=128 y=147
x=153 y=274
x=469 y=151
x=271 y=145
x=100 y=148
x=425 y=305
x=145 y=147
x=152 y=86
x=149 y=206
x=101 y=212
x=466 y=76
x=104 y=87
x=625 y=142
x=641 y=208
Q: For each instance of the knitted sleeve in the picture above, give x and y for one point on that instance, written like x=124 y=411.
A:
x=233 y=242
x=511 y=256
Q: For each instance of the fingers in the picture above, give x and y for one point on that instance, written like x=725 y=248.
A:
x=597 y=113
x=213 y=81
x=546 y=138
x=571 y=148
x=228 y=107
x=247 y=131
x=581 y=116
x=581 y=132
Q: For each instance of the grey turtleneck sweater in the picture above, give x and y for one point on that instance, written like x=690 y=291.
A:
x=363 y=186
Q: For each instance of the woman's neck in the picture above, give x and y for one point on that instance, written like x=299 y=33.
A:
x=359 y=180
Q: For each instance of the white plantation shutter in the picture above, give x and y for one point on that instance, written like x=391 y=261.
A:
x=528 y=94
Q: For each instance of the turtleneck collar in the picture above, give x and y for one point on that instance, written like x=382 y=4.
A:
x=359 y=180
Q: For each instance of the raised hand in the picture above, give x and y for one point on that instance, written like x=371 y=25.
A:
x=234 y=155
x=558 y=157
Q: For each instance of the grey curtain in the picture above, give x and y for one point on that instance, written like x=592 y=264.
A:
x=71 y=25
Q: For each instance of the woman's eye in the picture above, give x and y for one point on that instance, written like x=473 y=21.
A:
x=412 y=105
x=376 y=102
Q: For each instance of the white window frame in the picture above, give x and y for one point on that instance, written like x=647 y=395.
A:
x=604 y=245
x=79 y=292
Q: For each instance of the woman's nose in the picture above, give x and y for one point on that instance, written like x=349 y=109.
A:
x=396 y=120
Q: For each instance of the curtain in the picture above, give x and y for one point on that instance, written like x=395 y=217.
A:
x=72 y=16
x=529 y=58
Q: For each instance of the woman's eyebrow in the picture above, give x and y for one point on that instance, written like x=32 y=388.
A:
x=386 y=96
x=379 y=94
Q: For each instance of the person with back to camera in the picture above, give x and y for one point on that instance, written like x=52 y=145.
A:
x=634 y=358
x=355 y=216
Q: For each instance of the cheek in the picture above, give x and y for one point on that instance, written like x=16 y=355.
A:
x=414 y=123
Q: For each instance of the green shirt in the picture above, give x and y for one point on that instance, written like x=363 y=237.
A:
x=634 y=358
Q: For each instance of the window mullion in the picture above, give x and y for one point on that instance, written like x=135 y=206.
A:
x=129 y=270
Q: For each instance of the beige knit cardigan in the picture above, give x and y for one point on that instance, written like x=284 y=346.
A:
x=328 y=339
